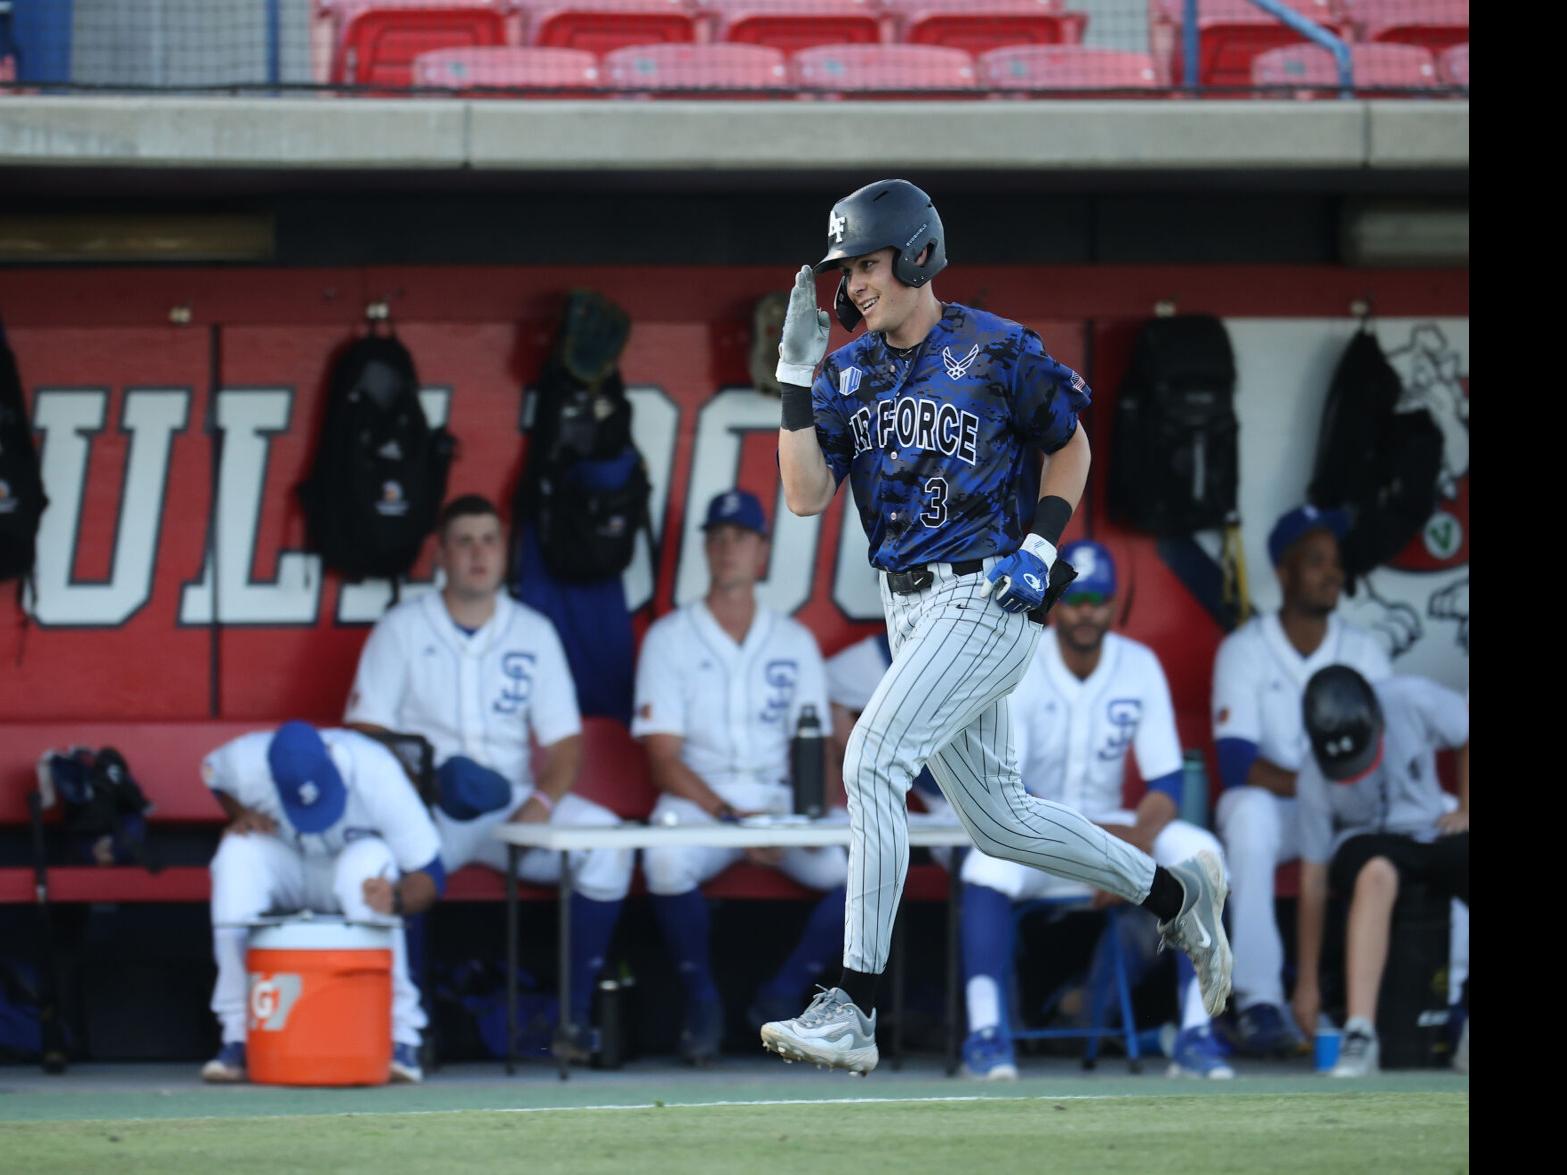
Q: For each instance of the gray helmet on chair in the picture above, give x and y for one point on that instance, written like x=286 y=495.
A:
x=887 y=214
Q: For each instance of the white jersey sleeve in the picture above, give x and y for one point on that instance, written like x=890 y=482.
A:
x=377 y=694
x=854 y=673
x=552 y=710
x=660 y=695
x=1157 y=744
x=1237 y=689
x=240 y=771
x=1443 y=713
x=393 y=806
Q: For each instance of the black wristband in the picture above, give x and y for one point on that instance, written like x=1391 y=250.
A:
x=1050 y=519
x=797 y=412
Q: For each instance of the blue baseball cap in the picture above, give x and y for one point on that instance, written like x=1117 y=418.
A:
x=1298 y=523
x=307 y=781
x=736 y=508
x=1095 y=569
x=468 y=790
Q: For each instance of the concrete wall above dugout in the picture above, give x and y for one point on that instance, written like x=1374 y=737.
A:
x=733 y=138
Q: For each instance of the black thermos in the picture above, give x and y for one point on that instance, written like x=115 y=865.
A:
x=807 y=765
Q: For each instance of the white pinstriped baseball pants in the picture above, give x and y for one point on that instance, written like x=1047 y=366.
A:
x=943 y=702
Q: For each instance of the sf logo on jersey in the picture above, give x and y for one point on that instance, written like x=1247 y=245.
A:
x=1123 y=715
x=517 y=670
x=780 y=677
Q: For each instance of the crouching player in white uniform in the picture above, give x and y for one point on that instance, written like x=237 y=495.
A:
x=480 y=676
x=720 y=687
x=325 y=821
x=1088 y=697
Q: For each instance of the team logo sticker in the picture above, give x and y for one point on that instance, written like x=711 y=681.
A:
x=835 y=227
x=848 y=381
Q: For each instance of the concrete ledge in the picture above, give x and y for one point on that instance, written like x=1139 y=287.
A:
x=437 y=134
x=1418 y=134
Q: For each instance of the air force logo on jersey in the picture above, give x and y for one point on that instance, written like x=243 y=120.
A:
x=517 y=670
x=958 y=368
x=914 y=422
x=781 y=676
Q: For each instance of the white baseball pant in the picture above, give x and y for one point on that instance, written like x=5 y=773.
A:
x=956 y=656
x=681 y=869
x=603 y=875
x=256 y=872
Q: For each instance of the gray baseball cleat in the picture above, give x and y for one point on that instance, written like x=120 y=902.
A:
x=832 y=1032
x=1199 y=928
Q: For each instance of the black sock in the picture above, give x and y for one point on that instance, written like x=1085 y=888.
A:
x=1166 y=895
x=860 y=987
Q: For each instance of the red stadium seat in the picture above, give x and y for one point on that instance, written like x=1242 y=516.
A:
x=976 y=26
x=904 y=71
x=1453 y=65
x=791 y=25
x=697 y=70
x=1229 y=34
x=1065 y=68
x=1436 y=24
x=1379 y=71
x=601 y=26
x=538 y=71
x=614 y=770
x=377 y=40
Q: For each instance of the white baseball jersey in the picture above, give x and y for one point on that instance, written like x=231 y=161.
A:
x=1073 y=734
x=381 y=801
x=1259 y=680
x=478 y=695
x=735 y=706
x=1402 y=795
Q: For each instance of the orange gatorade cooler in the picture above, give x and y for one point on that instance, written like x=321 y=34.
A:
x=320 y=1005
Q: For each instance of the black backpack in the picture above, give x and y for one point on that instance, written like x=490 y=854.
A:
x=1379 y=463
x=379 y=477
x=1175 y=459
x=105 y=811
x=585 y=489
x=22 y=499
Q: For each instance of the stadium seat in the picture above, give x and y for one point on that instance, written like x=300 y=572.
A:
x=904 y=71
x=1452 y=67
x=1379 y=71
x=377 y=40
x=602 y=26
x=1436 y=24
x=977 y=26
x=538 y=71
x=1230 y=33
x=1065 y=68
x=791 y=25
x=694 y=71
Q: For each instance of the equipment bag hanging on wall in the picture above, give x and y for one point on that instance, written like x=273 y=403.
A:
x=1174 y=462
x=379 y=476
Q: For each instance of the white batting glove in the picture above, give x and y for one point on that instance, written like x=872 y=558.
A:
x=805 y=330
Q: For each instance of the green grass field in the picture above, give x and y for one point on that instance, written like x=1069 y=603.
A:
x=1335 y=1130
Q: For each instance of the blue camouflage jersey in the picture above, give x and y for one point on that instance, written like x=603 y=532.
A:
x=941 y=448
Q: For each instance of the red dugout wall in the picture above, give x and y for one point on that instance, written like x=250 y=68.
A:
x=123 y=398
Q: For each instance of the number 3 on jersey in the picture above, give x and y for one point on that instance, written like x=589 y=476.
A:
x=935 y=501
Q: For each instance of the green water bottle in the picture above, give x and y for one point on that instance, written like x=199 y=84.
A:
x=1194 y=789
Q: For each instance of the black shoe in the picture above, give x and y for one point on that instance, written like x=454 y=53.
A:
x=576 y=1044
x=703 y=1033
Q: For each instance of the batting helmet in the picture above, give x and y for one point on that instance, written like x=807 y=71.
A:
x=1344 y=722
x=887 y=214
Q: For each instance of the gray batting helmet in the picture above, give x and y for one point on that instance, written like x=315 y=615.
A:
x=887 y=214
x=1344 y=722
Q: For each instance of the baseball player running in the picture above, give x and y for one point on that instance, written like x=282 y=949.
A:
x=1088 y=698
x=935 y=415
x=481 y=676
x=321 y=820
x=720 y=687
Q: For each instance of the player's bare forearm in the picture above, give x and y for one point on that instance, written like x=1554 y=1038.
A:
x=1309 y=919
x=1154 y=812
x=241 y=818
x=674 y=777
x=418 y=892
x=561 y=763
x=1066 y=470
x=1272 y=777
x=808 y=483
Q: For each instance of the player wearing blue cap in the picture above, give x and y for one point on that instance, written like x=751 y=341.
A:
x=1089 y=697
x=322 y=820
x=720 y=687
x=938 y=416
